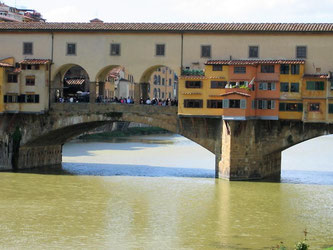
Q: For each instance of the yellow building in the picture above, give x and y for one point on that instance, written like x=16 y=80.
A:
x=314 y=94
x=5 y=66
x=163 y=84
x=291 y=77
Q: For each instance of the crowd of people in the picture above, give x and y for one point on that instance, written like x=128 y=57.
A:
x=156 y=101
x=124 y=100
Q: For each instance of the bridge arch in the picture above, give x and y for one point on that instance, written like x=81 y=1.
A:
x=69 y=78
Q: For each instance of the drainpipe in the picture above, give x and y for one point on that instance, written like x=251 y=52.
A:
x=52 y=51
x=181 y=52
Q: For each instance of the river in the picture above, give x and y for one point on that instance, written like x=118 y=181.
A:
x=158 y=192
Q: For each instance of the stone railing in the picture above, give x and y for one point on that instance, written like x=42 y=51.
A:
x=112 y=107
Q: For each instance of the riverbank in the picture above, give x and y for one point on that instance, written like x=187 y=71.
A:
x=125 y=133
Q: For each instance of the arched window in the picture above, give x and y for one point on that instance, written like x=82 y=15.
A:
x=155 y=79
x=159 y=80
x=155 y=92
x=159 y=93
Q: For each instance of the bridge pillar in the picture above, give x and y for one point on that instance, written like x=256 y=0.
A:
x=38 y=156
x=92 y=92
x=245 y=152
x=137 y=93
x=144 y=90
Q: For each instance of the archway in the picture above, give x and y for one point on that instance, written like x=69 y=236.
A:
x=159 y=82
x=71 y=84
x=115 y=84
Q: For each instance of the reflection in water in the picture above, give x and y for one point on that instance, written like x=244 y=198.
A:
x=91 y=207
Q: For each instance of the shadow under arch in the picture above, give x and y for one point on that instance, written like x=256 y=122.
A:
x=57 y=85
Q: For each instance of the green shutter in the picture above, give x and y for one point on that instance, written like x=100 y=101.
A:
x=300 y=107
x=243 y=104
x=226 y=103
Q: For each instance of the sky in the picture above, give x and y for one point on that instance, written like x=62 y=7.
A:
x=171 y=11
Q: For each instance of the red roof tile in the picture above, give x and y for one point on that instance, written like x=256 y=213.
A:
x=5 y=65
x=75 y=81
x=254 y=62
x=316 y=75
x=170 y=27
x=237 y=93
x=35 y=61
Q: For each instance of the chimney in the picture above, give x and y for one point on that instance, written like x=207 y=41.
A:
x=96 y=20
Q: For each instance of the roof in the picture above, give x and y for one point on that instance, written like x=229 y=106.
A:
x=235 y=92
x=75 y=81
x=254 y=62
x=170 y=27
x=5 y=64
x=35 y=61
x=316 y=75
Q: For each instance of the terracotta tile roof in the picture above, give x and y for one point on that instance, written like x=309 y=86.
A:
x=255 y=62
x=75 y=81
x=170 y=27
x=235 y=92
x=5 y=65
x=316 y=75
x=35 y=61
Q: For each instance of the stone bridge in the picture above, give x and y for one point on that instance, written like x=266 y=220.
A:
x=244 y=150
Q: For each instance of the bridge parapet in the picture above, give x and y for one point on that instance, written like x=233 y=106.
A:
x=112 y=107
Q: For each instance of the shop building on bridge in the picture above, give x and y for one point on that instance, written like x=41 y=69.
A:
x=256 y=89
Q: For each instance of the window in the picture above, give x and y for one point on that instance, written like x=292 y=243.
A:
x=115 y=49
x=271 y=86
x=30 y=98
x=155 y=79
x=284 y=69
x=159 y=80
x=266 y=104
x=27 y=48
x=160 y=49
x=193 y=84
x=217 y=67
x=267 y=68
x=284 y=87
x=163 y=81
x=240 y=70
x=314 y=106
x=194 y=103
x=30 y=80
x=314 y=85
x=205 y=50
x=218 y=84
x=71 y=49
x=36 y=67
x=163 y=95
x=294 y=87
x=169 y=81
x=12 y=78
x=295 y=107
x=300 y=51
x=234 y=103
x=331 y=85
x=214 y=104
x=263 y=85
x=11 y=98
x=170 y=95
x=253 y=51
x=330 y=108
x=295 y=69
